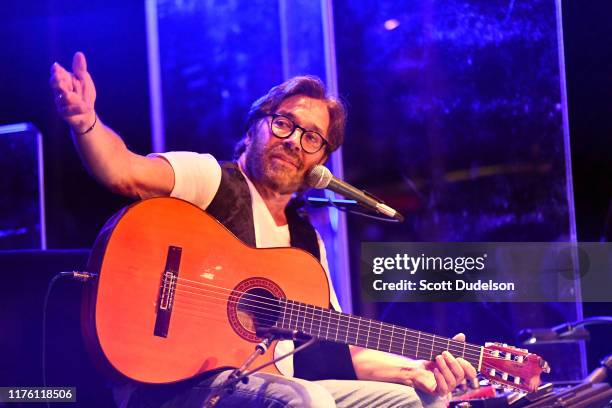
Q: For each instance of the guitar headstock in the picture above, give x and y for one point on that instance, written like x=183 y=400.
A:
x=512 y=367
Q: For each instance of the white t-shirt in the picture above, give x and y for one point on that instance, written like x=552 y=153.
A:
x=197 y=178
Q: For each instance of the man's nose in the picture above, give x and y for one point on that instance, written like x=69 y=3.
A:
x=293 y=141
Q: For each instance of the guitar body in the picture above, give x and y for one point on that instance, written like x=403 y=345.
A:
x=168 y=304
x=177 y=295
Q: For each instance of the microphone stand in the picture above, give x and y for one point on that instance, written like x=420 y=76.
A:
x=241 y=374
x=563 y=333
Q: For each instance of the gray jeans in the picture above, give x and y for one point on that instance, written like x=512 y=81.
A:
x=274 y=391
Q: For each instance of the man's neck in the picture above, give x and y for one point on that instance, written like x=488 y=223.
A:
x=275 y=201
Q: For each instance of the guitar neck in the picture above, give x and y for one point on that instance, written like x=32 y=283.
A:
x=340 y=327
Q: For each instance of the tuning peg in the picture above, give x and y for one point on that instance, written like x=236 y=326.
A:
x=544 y=365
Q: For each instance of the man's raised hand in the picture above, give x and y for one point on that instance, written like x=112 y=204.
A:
x=74 y=93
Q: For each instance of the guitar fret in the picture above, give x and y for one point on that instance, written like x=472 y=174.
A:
x=378 y=342
x=404 y=341
x=284 y=313
x=296 y=309
x=417 y=346
x=328 y=321
x=295 y=315
x=348 y=329
x=337 y=329
x=298 y=318
x=320 y=324
x=433 y=341
x=311 y=321
x=368 y=336
x=391 y=342
x=448 y=345
x=357 y=335
x=321 y=310
x=463 y=352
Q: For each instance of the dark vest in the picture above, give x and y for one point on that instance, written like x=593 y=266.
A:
x=233 y=208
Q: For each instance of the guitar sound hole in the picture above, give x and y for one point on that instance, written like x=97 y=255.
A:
x=257 y=308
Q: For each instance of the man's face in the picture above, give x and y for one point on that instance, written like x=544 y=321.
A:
x=282 y=163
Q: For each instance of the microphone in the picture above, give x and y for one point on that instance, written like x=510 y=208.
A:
x=321 y=177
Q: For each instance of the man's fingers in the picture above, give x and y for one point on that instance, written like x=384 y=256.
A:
x=61 y=80
x=79 y=65
x=446 y=372
x=70 y=98
x=82 y=83
x=71 y=110
x=459 y=337
x=468 y=369
x=70 y=103
x=454 y=366
x=442 y=387
x=56 y=69
x=77 y=85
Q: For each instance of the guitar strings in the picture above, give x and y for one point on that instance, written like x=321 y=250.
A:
x=386 y=326
x=452 y=345
x=436 y=341
x=214 y=316
x=204 y=313
x=346 y=329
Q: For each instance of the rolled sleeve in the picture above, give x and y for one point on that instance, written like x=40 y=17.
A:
x=197 y=176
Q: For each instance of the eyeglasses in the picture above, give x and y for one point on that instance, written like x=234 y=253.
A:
x=283 y=127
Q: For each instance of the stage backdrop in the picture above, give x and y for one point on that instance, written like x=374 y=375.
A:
x=458 y=119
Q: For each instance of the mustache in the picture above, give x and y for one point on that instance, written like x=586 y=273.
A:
x=289 y=153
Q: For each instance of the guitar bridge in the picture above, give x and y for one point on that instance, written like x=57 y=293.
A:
x=167 y=290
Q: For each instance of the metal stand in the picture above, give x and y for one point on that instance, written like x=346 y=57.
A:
x=237 y=375
x=240 y=374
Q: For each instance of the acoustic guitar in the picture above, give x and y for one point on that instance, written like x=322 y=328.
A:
x=177 y=294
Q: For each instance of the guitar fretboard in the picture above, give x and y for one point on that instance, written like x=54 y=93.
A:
x=344 y=328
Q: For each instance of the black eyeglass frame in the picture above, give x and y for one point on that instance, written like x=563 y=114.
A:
x=295 y=126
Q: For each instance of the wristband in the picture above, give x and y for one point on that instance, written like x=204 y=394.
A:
x=90 y=128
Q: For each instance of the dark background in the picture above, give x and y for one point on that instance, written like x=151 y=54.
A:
x=112 y=35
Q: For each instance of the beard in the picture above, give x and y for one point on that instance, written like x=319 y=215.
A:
x=262 y=165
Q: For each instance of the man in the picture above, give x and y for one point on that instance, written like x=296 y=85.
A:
x=291 y=129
